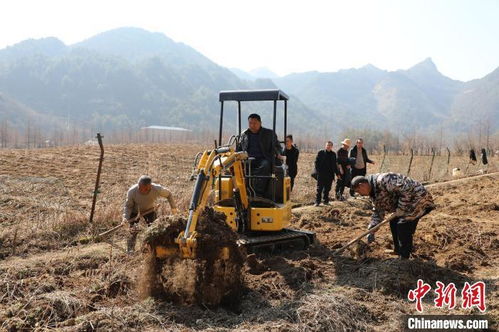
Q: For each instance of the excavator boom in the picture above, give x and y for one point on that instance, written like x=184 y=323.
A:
x=211 y=165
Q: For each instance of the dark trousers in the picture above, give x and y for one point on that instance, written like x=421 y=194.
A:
x=323 y=187
x=343 y=182
x=402 y=233
x=292 y=182
x=260 y=167
x=357 y=172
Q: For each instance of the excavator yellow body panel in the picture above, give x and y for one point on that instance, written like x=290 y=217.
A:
x=261 y=219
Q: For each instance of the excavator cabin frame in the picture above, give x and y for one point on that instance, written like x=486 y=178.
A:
x=223 y=174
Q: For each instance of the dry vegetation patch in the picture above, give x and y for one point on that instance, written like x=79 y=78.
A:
x=48 y=279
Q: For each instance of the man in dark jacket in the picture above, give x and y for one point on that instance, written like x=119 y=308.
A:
x=399 y=194
x=344 y=168
x=292 y=153
x=261 y=144
x=361 y=161
x=325 y=168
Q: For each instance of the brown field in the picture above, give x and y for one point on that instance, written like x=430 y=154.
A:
x=49 y=279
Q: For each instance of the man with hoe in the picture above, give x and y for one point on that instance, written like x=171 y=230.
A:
x=140 y=202
x=395 y=193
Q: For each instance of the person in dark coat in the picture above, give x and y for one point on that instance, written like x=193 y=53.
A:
x=344 y=168
x=292 y=153
x=325 y=169
x=261 y=144
x=361 y=161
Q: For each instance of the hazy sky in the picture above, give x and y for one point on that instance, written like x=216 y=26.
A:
x=461 y=36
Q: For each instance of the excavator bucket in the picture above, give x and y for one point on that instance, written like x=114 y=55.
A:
x=210 y=274
x=159 y=239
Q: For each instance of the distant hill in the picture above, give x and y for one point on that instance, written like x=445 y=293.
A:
x=263 y=72
x=50 y=47
x=419 y=98
x=254 y=74
x=122 y=78
x=130 y=77
x=477 y=103
x=17 y=115
x=242 y=74
x=135 y=44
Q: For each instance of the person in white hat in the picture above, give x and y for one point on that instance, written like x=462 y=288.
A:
x=344 y=168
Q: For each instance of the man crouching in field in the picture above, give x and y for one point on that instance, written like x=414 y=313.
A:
x=141 y=198
x=407 y=198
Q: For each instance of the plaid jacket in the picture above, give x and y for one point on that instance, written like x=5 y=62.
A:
x=392 y=191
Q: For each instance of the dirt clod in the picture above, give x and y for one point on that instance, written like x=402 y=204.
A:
x=208 y=280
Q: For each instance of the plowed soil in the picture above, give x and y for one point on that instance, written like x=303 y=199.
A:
x=49 y=278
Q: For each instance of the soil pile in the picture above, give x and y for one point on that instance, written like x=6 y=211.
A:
x=208 y=280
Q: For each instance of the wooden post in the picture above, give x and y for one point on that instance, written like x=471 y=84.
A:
x=410 y=162
x=448 y=160
x=382 y=160
x=431 y=164
x=99 y=139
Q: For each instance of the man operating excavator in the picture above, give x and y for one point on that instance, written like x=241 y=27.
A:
x=262 y=145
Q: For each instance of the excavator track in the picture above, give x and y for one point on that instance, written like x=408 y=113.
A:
x=286 y=237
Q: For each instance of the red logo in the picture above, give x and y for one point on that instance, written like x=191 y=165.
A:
x=418 y=293
x=474 y=296
x=471 y=295
x=445 y=296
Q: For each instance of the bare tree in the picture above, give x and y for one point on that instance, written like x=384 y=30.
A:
x=4 y=134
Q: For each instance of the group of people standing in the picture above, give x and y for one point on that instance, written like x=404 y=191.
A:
x=406 y=198
x=344 y=164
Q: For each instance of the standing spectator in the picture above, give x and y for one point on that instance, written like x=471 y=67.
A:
x=325 y=168
x=361 y=161
x=292 y=153
x=344 y=169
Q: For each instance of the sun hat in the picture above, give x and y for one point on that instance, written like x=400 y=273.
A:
x=347 y=142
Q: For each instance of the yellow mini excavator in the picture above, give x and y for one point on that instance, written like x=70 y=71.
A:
x=223 y=176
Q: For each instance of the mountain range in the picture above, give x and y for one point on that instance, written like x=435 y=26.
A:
x=130 y=77
x=254 y=74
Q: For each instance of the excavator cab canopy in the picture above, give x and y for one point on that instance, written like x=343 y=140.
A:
x=239 y=96
x=253 y=95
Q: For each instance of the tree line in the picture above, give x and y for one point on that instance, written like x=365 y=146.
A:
x=377 y=141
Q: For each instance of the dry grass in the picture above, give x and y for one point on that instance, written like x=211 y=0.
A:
x=48 y=280
x=332 y=312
